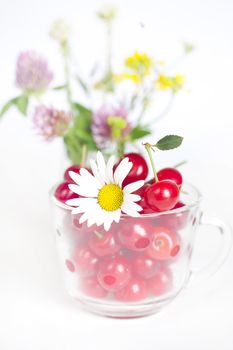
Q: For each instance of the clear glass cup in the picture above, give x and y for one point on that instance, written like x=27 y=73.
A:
x=140 y=264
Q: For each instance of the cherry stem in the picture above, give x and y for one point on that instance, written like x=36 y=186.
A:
x=98 y=234
x=148 y=149
x=180 y=164
x=84 y=155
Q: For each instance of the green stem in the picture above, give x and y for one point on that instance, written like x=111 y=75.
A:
x=65 y=54
x=180 y=164
x=120 y=149
x=84 y=155
x=145 y=102
x=109 y=47
x=148 y=149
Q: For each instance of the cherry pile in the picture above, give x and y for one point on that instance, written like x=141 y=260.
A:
x=133 y=260
x=130 y=262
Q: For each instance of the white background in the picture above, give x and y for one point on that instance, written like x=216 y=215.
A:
x=35 y=312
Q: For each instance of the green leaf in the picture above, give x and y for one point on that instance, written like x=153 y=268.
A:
x=169 y=142
x=79 y=134
x=139 y=132
x=59 y=87
x=21 y=103
x=6 y=106
x=81 y=109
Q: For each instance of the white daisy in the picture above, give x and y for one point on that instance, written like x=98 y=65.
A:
x=103 y=198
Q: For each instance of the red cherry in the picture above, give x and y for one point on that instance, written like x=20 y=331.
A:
x=175 y=221
x=104 y=244
x=114 y=273
x=135 y=234
x=92 y=288
x=63 y=193
x=179 y=205
x=85 y=261
x=161 y=283
x=139 y=170
x=135 y=290
x=165 y=244
x=180 y=218
x=145 y=208
x=162 y=195
x=145 y=267
x=141 y=190
x=75 y=169
x=170 y=174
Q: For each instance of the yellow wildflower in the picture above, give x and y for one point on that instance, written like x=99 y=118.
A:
x=174 y=83
x=139 y=63
x=118 y=78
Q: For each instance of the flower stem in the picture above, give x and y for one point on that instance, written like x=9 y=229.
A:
x=84 y=155
x=65 y=54
x=109 y=47
x=120 y=149
x=148 y=149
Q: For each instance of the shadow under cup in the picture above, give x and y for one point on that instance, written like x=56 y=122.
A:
x=134 y=269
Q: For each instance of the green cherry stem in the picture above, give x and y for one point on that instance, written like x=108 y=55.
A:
x=148 y=149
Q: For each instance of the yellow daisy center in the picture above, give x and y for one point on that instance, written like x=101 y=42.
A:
x=110 y=197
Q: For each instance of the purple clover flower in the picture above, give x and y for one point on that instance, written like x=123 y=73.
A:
x=51 y=122
x=32 y=72
x=101 y=129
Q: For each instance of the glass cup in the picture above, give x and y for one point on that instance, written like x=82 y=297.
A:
x=140 y=264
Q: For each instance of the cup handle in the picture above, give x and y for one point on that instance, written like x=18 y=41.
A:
x=213 y=266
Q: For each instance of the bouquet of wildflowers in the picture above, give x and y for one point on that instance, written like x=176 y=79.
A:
x=125 y=95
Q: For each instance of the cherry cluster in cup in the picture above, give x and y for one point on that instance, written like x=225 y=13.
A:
x=129 y=263
x=160 y=194
x=133 y=260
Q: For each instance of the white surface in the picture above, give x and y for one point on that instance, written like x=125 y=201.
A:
x=35 y=312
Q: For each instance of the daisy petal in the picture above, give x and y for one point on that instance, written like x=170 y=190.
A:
x=83 y=218
x=127 y=209
x=133 y=206
x=74 y=176
x=96 y=172
x=74 y=188
x=77 y=211
x=123 y=175
x=107 y=224
x=117 y=215
x=86 y=203
x=87 y=190
x=85 y=176
x=109 y=169
x=129 y=197
x=122 y=170
x=101 y=165
x=134 y=186
x=72 y=202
